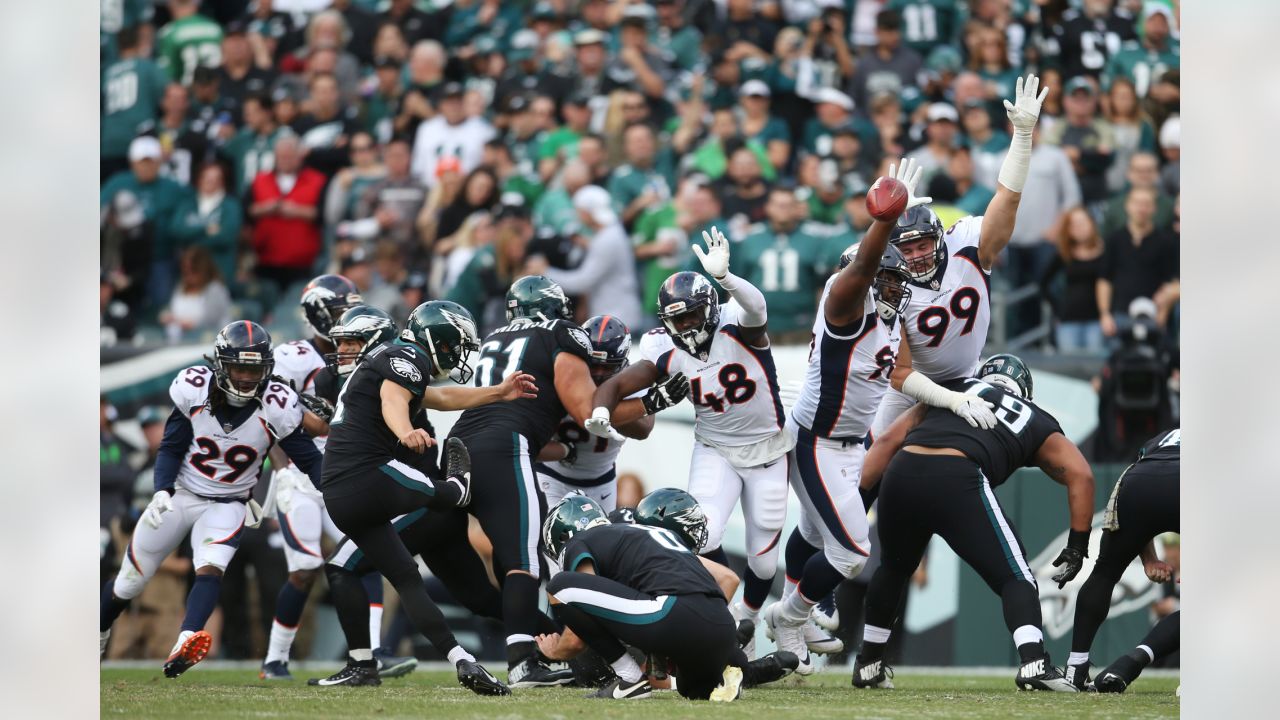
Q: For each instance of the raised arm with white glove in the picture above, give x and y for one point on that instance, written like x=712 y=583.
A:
x=1023 y=113
x=715 y=260
x=971 y=408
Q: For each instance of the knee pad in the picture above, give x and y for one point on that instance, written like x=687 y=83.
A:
x=129 y=583
x=847 y=562
x=764 y=566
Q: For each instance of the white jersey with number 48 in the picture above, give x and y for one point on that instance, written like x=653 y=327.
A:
x=225 y=461
x=947 y=320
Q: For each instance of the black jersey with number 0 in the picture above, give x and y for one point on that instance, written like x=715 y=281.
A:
x=1021 y=429
x=1165 y=447
x=645 y=558
x=529 y=346
x=358 y=436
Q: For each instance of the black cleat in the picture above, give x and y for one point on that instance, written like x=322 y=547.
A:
x=1042 y=674
x=363 y=672
x=620 y=689
x=1078 y=675
x=393 y=666
x=770 y=668
x=458 y=468
x=532 y=672
x=1119 y=675
x=475 y=678
x=873 y=674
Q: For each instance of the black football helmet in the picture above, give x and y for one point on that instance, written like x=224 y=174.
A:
x=919 y=223
x=1008 y=373
x=364 y=323
x=677 y=511
x=689 y=308
x=537 y=297
x=569 y=517
x=610 y=346
x=890 y=287
x=242 y=361
x=324 y=299
x=447 y=332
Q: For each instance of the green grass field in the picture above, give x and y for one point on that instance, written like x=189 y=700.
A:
x=205 y=693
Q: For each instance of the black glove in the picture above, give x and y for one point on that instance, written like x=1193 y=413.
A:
x=318 y=405
x=570 y=454
x=665 y=394
x=1072 y=556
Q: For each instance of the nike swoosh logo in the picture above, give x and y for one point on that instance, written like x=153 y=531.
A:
x=605 y=496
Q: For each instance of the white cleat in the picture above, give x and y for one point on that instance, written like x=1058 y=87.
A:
x=827 y=617
x=789 y=638
x=730 y=687
x=816 y=639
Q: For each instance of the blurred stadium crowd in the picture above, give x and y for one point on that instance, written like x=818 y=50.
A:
x=434 y=149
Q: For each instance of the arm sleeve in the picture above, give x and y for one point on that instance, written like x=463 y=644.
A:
x=173 y=447
x=301 y=449
x=749 y=297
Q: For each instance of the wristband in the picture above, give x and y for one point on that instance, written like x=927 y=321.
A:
x=1079 y=540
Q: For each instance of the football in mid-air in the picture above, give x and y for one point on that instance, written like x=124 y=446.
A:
x=886 y=199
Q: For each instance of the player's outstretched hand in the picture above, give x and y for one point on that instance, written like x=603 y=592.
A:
x=1073 y=560
x=322 y=408
x=977 y=412
x=1158 y=571
x=160 y=504
x=665 y=394
x=518 y=385
x=600 y=425
x=417 y=440
x=716 y=258
x=908 y=172
x=1025 y=108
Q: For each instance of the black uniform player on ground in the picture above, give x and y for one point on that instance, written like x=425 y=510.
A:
x=1143 y=505
x=504 y=440
x=643 y=585
x=940 y=478
x=365 y=486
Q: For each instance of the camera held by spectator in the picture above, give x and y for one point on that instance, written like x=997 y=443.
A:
x=1134 y=400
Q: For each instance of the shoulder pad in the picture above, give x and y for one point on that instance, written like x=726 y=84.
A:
x=281 y=409
x=654 y=343
x=190 y=387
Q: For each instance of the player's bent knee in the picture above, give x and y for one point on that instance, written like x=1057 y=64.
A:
x=303 y=579
x=848 y=563
x=764 y=566
x=210 y=570
x=128 y=584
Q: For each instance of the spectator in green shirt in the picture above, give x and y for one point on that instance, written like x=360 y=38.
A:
x=661 y=236
x=555 y=208
x=990 y=59
x=758 y=125
x=210 y=219
x=1143 y=62
x=131 y=91
x=675 y=36
x=188 y=41
x=638 y=184
x=561 y=144
x=252 y=150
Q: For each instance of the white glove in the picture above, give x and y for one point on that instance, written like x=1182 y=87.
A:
x=716 y=258
x=160 y=504
x=253 y=514
x=1025 y=108
x=975 y=411
x=598 y=425
x=908 y=173
x=284 y=491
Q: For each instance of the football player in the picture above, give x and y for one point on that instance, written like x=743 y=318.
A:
x=939 y=475
x=855 y=341
x=947 y=316
x=1143 y=504
x=1161 y=641
x=225 y=419
x=742 y=445
x=300 y=506
x=368 y=483
x=643 y=585
x=542 y=341
x=577 y=461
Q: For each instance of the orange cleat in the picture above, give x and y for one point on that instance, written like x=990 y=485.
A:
x=193 y=650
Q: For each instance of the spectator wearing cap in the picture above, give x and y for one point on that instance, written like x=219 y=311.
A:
x=1144 y=61
x=990 y=59
x=1079 y=261
x=183 y=146
x=209 y=111
x=1141 y=261
x=1131 y=127
x=590 y=63
x=853 y=168
x=1171 y=149
x=211 y=219
x=758 y=125
x=833 y=110
x=482 y=286
x=637 y=65
x=239 y=77
x=284 y=210
x=642 y=181
x=326 y=128
x=607 y=273
x=201 y=303
x=395 y=201
x=742 y=24
x=415 y=24
x=151 y=419
x=788 y=260
x=561 y=144
x=1143 y=171
x=1086 y=138
x=1087 y=36
x=252 y=149
x=889 y=57
x=449 y=134
x=413 y=292
x=132 y=87
x=187 y=41
x=674 y=35
x=530 y=120
x=159 y=197
x=941 y=126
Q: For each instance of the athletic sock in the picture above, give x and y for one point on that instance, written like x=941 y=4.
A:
x=755 y=590
x=1030 y=642
x=1078 y=658
x=373 y=588
x=458 y=654
x=281 y=641
x=520 y=615
x=111 y=606
x=201 y=601
x=874 y=640
x=626 y=668
x=1145 y=652
x=796 y=609
x=284 y=628
x=789 y=586
x=361 y=655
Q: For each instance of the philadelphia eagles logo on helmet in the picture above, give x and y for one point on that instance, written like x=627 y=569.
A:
x=677 y=511
x=537 y=297
x=448 y=333
x=363 y=325
x=572 y=515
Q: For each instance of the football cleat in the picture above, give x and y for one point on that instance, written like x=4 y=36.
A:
x=730 y=687
x=458 y=468
x=826 y=616
x=816 y=639
x=190 y=650
x=747 y=637
x=1042 y=674
x=1121 y=673
x=770 y=668
x=393 y=666
x=789 y=638
x=531 y=672
x=620 y=689
x=1078 y=675
x=874 y=674
x=275 y=670
x=475 y=678
x=363 y=672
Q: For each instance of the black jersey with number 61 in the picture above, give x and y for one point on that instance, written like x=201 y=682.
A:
x=645 y=558
x=1021 y=429
x=529 y=346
